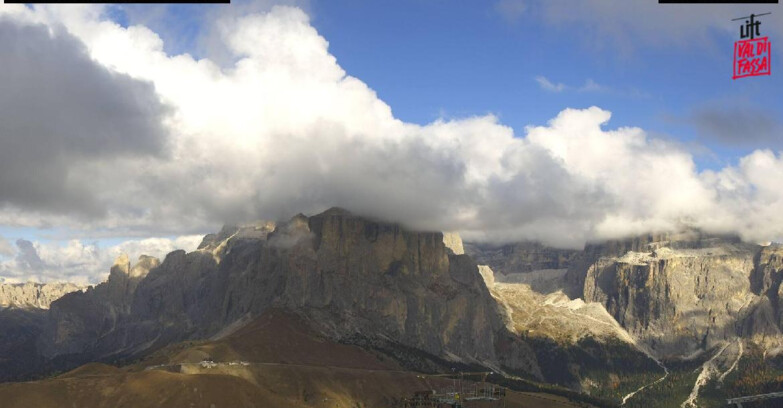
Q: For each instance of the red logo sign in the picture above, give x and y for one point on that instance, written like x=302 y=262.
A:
x=751 y=57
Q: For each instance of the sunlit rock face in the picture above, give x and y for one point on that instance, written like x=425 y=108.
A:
x=682 y=293
x=670 y=296
x=32 y=295
x=355 y=279
x=577 y=344
x=453 y=241
x=408 y=293
x=368 y=281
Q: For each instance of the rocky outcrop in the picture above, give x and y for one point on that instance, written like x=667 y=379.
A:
x=453 y=241
x=521 y=257
x=362 y=278
x=80 y=322
x=357 y=280
x=684 y=293
x=32 y=295
x=768 y=272
x=414 y=296
x=689 y=239
x=216 y=243
x=577 y=344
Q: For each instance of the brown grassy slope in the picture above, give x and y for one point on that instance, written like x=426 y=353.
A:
x=289 y=366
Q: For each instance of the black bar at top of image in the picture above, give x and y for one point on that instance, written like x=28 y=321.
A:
x=117 y=2
x=718 y=1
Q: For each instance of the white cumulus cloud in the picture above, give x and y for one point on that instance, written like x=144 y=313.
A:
x=284 y=129
x=6 y=249
x=76 y=261
x=548 y=85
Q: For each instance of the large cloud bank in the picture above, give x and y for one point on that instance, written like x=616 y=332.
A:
x=283 y=129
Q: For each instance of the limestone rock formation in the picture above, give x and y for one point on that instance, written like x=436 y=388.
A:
x=453 y=241
x=23 y=314
x=672 y=296
x=590 y=320
x=76 y=320
x=577 y=344
x=359 y=281
x=32 y=295
x=521 y=257
x=684 y=293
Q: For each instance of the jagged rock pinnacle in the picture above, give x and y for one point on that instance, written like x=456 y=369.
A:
x=453 y=241
x=121 y=264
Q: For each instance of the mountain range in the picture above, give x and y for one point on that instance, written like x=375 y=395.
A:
x=675 y=319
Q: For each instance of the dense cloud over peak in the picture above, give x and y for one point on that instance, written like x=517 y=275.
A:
x=59 y=109
x=285 y=129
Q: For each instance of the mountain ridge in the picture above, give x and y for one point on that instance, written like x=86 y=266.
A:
x=33 y=295
x=363 y=281
x=605 y=325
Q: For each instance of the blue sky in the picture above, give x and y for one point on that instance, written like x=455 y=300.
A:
x=426 y=59
x=433 y=59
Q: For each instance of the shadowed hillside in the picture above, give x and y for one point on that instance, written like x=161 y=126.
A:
x=276 y=360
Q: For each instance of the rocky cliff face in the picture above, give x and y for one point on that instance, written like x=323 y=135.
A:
x=23 y=314
x=593 y=320
x=577 y=344
x=34 y=295
x=684 y=293
x=414 y=296
x=83 y=323
x=521 y=257
x=357 y=280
